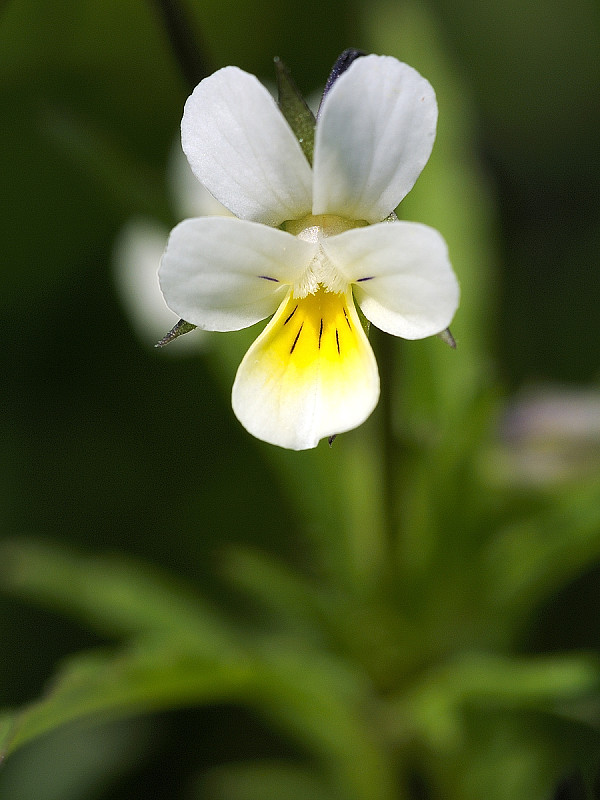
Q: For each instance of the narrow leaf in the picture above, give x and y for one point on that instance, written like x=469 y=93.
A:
x=264 y=781
x=536 y=556
x=484 y=683
x=289 y=595
x=114 y=595
x=140 y=679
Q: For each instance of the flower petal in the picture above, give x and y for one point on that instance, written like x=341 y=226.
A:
x=310 y=374
x=223 y=274
x=138 y=249
x=374 y=136
x=242 y=149
x=403 y=280
x=189 y=197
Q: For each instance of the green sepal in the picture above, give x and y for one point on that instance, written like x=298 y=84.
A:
x=366 y=325
x=176 y=331
x=293 y=107
x=446 y=336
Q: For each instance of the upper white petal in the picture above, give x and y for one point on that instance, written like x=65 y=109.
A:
x=373 y=137
x=403 y=280
x=242 y=149
x=223 y=274
x=189 y=197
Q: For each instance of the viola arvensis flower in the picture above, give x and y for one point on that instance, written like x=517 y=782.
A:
x=309 y=242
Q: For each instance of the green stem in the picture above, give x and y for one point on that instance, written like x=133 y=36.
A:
x=184 y=41
x=386 y=348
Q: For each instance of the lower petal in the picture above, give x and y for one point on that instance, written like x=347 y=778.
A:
x=310 y=374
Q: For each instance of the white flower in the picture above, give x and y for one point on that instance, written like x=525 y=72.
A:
x=309 y=242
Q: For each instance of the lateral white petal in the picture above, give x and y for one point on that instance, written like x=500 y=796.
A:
x=223 y=274
x=373 y=137
x=403 y=279
x=242 y=149
x=310 y=374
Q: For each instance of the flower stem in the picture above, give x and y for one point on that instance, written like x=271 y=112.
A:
x=390 y=446
x=184 y=41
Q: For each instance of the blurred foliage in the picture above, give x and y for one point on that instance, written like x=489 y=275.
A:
x=392 y=617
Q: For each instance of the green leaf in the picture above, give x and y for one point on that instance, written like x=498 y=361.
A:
x=264 y=781
x=76 y=761
x=372 y=634
x=535 y=556
x=114 y=595
x=327 y=706
x=293 y=107
x=293 y=598
x=317 y=700
x=488 y=682
x=151 y=676
x=7 y=727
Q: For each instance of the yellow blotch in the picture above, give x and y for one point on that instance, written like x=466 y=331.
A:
x=320 y=328
x=311 y=373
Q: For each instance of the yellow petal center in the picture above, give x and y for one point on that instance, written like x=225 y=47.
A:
x=318 y=326
x=311 y=373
